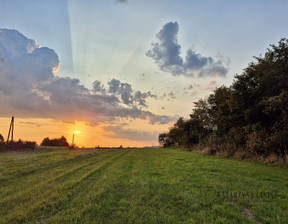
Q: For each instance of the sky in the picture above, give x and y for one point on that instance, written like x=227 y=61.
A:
x=122 y=71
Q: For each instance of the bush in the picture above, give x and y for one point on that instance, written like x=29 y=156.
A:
x=61 y=142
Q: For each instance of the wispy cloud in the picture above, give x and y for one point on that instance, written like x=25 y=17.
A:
x=172 y=95
x=121 y=133
x=166 y=52
x=29 y=88
x=189 y=87
x=121 y=1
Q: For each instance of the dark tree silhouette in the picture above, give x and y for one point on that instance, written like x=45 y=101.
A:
x=61 y=142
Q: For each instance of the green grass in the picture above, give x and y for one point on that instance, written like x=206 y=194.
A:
x=139 y=186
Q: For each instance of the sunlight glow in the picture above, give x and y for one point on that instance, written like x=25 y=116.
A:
x=77 y=132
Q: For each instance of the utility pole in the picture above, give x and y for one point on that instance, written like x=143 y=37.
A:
x=11 y=130
x=73 y=140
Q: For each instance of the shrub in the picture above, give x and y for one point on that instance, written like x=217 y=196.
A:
x=61 y=142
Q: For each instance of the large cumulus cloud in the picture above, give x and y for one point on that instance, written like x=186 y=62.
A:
x=30 y=88
x=166 y=53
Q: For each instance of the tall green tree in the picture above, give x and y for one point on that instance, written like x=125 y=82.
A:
x=263 y=85
x=250 y=115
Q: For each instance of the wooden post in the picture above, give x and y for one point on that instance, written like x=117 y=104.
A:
x=11 y=130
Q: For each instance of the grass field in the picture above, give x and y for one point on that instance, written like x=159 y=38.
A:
x=139 y=186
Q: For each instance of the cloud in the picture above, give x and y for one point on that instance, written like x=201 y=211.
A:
x=211 y=85
x=98 y=87
x=172 y=95
x=127 y=95
x=122 y=89
x=129 y=134
x=29 y=124
x=121 y=1
x=168 y=96
x=212 y=82
x=16 y=44
x=166 y=53
x=193 y=93
x=141 y=98
x=189 y=87
x=29 y=88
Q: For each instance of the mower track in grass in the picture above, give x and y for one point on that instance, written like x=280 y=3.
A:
x=138 y=186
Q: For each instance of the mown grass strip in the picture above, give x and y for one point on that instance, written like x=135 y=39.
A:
x=146 y=186
x=47 y=172
x=48 y=191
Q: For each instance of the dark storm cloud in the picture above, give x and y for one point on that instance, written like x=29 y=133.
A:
x=29 y=88
x=166 y=53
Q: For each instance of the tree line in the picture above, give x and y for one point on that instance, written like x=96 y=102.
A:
x=247 y=119
x=16 y=145
x=31 y=145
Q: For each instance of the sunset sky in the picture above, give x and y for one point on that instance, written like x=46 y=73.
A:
x=122 y=71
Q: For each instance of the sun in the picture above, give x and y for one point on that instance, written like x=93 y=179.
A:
x=77 y=132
